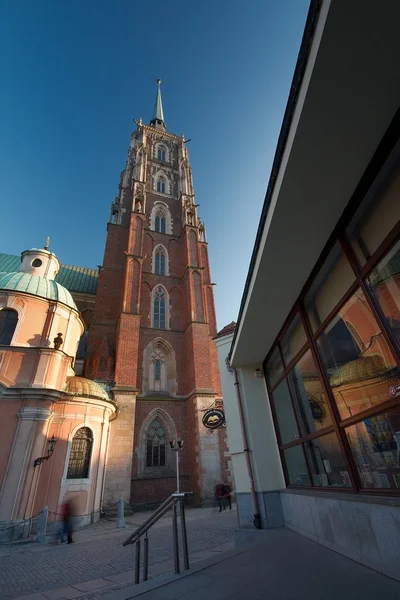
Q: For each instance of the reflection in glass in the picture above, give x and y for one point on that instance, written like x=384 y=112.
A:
x=284 y=412
x=375 y=444
x=384 y=282
x=274 y=367
x=361 y=369
x=330 y=285
x=308 y=395
x=293 y=340
x=327 y=462
x=296 y=466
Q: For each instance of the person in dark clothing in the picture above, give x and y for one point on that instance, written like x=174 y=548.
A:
x=219 y=495
x=227 y=494
x=67 y=524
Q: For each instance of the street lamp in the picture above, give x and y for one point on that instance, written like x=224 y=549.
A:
x=175 y=447
x=51 y=444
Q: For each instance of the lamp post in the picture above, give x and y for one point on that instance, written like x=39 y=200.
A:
x=51 y=443
x=175 y=447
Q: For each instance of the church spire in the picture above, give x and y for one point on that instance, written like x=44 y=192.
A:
x=158 y=114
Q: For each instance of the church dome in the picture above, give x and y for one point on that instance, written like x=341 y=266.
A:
x=366 y=367
x=37 y=286
x=80 y=386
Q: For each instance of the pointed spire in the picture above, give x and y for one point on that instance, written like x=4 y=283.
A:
x=158 y=114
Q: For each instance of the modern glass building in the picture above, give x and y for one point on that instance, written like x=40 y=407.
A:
x=316 y=350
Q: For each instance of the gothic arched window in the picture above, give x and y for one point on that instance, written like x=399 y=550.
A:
x=161 y=153
x=8 y=324
x=159 y=262
x=160 y=221
x=161 y=185
x=155 y=444
x=81 y=452
x=159 y=308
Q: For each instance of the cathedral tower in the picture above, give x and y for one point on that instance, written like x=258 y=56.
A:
x=151 y=339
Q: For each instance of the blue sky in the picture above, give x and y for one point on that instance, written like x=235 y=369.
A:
x=75 y=74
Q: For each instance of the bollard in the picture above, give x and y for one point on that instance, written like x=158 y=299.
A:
x=40 y=537
x=121 y=518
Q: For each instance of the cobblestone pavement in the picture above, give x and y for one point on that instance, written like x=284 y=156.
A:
x=97 y=552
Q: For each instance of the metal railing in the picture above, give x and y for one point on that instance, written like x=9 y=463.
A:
x=142 y=530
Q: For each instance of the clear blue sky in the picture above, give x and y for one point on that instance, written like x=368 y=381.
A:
x=75 y=74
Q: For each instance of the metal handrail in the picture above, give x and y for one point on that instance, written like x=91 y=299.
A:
x=155 y=516
x=142 y=530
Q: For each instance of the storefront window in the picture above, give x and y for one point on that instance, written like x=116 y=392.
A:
x=374 y=220
x=384 y=282
x=293 y=340
x=296 y=466
x=284 y=412
x=327 y=462
x=308 y=395
x=360 y=366
x=375 y=444
x=330 y=285
x=274 y=367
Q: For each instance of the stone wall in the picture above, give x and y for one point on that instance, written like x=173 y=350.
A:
x=365 y=529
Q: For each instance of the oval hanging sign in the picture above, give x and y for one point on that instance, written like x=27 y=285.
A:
x=213 y=418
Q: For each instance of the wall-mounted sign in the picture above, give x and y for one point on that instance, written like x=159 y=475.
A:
x=213 y=418
x=394 y=390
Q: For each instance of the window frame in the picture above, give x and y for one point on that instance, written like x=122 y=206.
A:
x=87 y=477
x=9 y=311
x=161 y=452
x=338 y=425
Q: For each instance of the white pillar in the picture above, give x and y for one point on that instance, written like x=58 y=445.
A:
x=29 y=437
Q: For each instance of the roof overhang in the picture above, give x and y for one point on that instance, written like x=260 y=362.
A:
x=348 y=94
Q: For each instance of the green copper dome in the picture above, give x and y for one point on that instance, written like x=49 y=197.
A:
x=37 y=286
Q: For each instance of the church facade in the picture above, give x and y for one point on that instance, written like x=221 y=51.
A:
x=123 y=361
x=151 y=336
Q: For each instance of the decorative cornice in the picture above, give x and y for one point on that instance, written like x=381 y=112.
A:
x=161 y=134
x=32 y=413
x=30 y=393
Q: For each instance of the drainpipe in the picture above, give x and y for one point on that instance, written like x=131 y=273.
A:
x=254 y=500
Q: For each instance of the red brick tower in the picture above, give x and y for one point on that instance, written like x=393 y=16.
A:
x=151 y=339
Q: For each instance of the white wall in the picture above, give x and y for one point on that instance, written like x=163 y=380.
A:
x=260 y=430
x=234 y=430
x=263 y=447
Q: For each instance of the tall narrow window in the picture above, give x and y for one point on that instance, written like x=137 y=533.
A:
x=81 y=451
x=159 y=262
x=161 y=185
x=161 y=153
x=155 y=444
x=157 y=370
x=8 y=324
x=159 y=222
x=159 y=319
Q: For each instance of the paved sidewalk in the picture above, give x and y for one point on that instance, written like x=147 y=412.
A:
x=287 y=566
x=97 y=562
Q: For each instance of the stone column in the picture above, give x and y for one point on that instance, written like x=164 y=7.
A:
x=118 y=474
x=18 y=479
x=209 y=460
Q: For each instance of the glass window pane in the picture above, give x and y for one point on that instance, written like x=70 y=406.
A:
x=274 y=367
x=293 y=340
x=375 y=444
x=296 y=466
x=329 y=286
x=375 y=219
x=384 y=282
x=327 y=462
x=284 y=413
x=361 y=369
x=308 y=395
